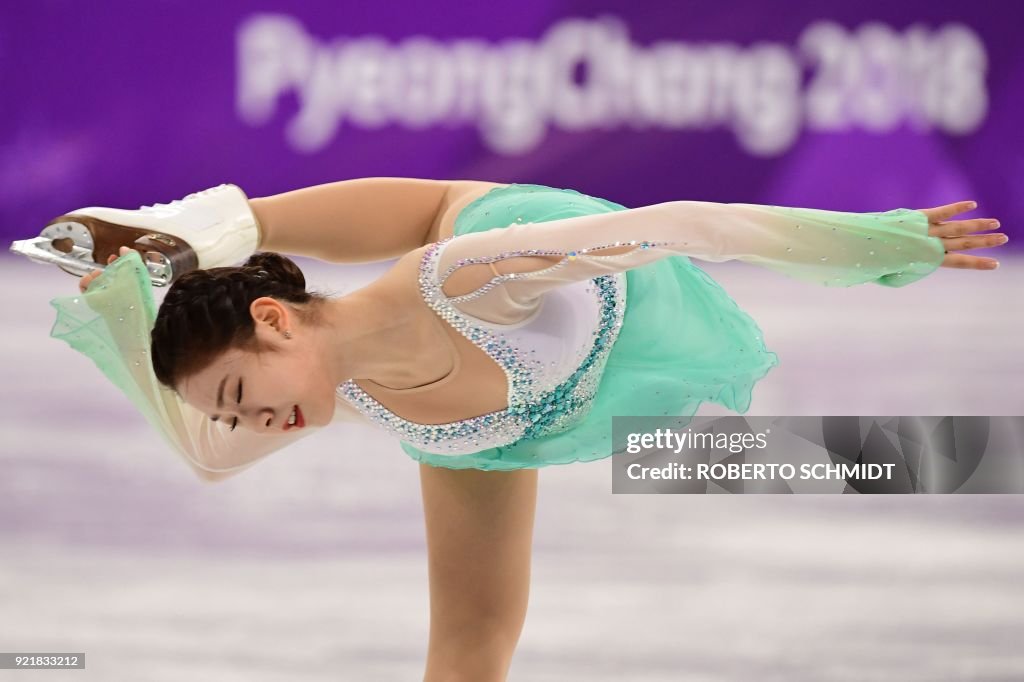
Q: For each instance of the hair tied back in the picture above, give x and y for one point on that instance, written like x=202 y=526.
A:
x=206 y=312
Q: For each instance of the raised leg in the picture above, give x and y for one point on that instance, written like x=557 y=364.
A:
x=351 y=221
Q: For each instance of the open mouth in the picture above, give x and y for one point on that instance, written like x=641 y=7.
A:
x=295 y=419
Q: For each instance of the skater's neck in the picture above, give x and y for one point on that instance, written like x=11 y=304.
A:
x=369 y=334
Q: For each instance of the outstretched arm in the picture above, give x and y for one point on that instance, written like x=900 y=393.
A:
x=831 y=248
x=352 y=221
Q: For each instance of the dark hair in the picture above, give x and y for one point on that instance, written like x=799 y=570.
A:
x=206 y=312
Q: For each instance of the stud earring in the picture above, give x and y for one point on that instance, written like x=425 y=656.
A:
x=287 y=334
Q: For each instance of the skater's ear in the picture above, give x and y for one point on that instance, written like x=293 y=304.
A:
x=271 y=319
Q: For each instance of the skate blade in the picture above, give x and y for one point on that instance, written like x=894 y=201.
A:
x=79 y=245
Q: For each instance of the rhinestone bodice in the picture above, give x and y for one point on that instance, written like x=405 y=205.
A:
x=553 y=362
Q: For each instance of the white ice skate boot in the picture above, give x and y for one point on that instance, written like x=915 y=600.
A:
x=206 y=229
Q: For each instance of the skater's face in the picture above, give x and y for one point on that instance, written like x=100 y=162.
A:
x=258 y=389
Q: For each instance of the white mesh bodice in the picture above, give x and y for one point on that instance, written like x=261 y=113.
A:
x=553 y=361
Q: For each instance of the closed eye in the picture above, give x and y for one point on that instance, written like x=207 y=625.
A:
x=239 y=402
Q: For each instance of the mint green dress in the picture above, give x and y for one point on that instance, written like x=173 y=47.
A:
x=683 y=340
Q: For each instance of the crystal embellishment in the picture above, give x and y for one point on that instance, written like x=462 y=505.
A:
x=532 y=411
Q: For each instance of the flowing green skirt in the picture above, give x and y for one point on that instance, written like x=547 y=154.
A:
x=683 y=341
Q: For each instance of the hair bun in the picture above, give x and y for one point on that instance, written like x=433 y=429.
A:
x=278 y=268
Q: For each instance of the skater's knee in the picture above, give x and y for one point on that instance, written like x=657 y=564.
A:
x=483 y=655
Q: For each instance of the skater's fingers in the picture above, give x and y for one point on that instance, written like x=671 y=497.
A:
x=956 y=228
x=120 y=252
x=981 y=241
x=87 y=279
x=965 y=262
x=84 y=282
x=940 y=213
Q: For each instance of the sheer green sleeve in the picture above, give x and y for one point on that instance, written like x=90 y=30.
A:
x=828 y=248
x=111 y=324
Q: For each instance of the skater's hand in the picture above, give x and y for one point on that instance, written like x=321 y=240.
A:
x=83 y=283
x=951 y=232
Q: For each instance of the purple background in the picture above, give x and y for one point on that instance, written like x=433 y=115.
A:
x=111 y=546
x=125 y=103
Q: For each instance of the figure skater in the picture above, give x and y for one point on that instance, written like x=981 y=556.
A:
x=515 y=322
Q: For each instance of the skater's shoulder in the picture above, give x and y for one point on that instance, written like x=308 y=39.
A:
x=460 y=194
x=399 y=285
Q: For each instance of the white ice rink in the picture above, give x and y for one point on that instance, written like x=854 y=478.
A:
x=312 y=565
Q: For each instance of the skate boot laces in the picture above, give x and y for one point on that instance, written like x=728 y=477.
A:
x=179 y=202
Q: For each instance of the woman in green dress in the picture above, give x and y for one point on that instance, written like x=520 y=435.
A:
x=515 y=322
